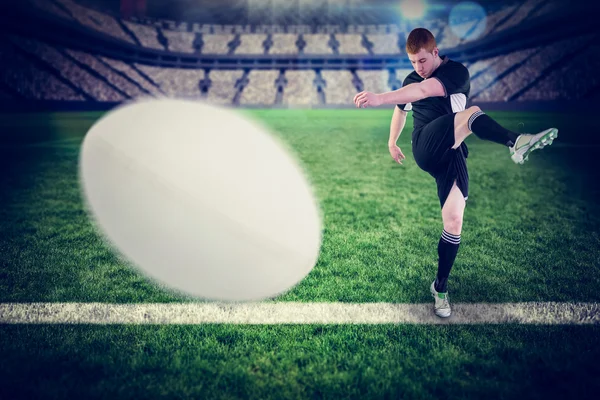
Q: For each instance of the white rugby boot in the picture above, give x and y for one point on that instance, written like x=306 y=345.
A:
x=526 y=143
x=442 y=302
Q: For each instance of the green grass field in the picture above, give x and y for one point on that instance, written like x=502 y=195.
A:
x=531 y=233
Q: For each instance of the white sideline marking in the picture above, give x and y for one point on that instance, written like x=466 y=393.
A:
x=548 y=313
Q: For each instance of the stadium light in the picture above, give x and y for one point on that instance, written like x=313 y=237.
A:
x=413 y=9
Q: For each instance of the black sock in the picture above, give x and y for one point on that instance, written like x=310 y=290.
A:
x=488 y=129
x=447 y=250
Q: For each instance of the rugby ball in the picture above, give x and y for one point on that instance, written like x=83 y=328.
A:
x=201 y=199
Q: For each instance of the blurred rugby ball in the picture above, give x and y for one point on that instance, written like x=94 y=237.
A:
x=200 y=199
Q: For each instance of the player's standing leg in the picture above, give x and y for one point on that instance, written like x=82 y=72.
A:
x=473 y=120
x=452 y=216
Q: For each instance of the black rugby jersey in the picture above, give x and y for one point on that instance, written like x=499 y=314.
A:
x=456 y=82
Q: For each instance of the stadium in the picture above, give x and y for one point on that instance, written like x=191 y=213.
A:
x=78 y=321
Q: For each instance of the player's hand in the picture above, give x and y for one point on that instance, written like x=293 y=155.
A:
x=396 y=153
x=367 y=99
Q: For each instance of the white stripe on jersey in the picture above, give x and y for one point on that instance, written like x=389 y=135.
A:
x=458 y=102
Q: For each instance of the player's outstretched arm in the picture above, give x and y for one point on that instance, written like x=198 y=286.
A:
x=404 y=95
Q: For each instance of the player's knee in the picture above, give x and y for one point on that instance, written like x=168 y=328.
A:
x=453 y=222
x=473 y=109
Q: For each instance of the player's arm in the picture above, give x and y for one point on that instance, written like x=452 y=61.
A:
x=404 y=95
x=396 y=127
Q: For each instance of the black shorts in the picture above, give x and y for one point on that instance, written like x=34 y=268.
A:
x=432 y=149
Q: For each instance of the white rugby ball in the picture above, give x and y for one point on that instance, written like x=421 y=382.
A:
x=201 y=199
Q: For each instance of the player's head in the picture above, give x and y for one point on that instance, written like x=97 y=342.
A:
x=422 y=51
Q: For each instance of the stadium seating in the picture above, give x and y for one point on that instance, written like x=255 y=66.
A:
x=146 y=35
x=135 y=75
x=300 y=89
x=386 y=43
x=37 y=70
x=180 y=42
x=522 y=11
x=30 y=81
x=118 y=80
x=519 y=75
x=350 y=44
x=181 y=37
x=175 y=82
x=261 y=88
x=448 y=38
x=96 y=20
x=251 y=44
x=487 y=72
x=562 y=83
x=495 y=17
x=375 y=80
x=56 y=60
x=339 y=88
x=317 y=43
x=284 y=43
x=216 y=43
x=223 y=85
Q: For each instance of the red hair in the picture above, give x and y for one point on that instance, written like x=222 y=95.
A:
x=420 y=38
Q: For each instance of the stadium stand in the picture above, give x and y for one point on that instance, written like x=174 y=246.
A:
x=447 y=38
x=55 y=60
x=116 y=78
x=520 y=13
x=375 y=81
x=519 y=75
x=22 y=76
x=181 y=37
x=175 y=82
x=490 y=70
x=477 y=67
x=222 y=88
x=317 y=43
x=251 y=44
x=135 y=75
x=37 y=70
x=146 y=35
x=300 y=89
x=497 y=18
x=96 y=20
x=350 y=44
x=261 y=88
x=217 y=43
x=339 y=87
x=180 y=42
x=386 y=43
x=561 y=83
x=89 y=74
x=284 y=43
x=379 y=39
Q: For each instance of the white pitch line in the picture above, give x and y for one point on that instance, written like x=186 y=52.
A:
x=546 y=313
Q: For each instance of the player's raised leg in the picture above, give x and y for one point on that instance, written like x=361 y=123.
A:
x=461 y=125
x=474 y=120
x=452 y=216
